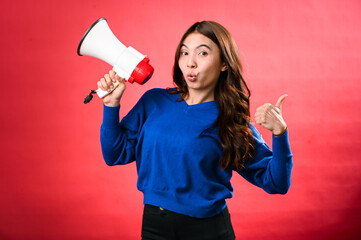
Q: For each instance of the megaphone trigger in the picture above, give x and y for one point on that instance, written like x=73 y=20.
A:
x=101 y=93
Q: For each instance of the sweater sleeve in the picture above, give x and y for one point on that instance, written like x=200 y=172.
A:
x=270 y=170
x=119 y=139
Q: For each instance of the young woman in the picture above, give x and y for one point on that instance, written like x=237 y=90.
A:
x=188 y=140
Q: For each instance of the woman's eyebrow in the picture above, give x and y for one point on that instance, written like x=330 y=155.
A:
x=199 y=46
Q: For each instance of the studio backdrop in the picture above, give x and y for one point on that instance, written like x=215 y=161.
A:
x=54 y=183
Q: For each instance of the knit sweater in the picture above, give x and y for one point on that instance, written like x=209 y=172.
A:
x=178 y=162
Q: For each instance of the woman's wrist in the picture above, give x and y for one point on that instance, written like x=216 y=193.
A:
x=280 y=132
x=115 y=104
x=111 y=102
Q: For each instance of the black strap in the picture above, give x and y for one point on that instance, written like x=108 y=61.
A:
x=89 y=97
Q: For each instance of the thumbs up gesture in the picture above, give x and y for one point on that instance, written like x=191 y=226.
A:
x=270 y=117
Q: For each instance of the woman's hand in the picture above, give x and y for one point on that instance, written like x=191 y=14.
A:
x=270 y=116
x=106 y=83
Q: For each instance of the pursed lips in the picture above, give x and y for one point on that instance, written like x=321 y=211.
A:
x=191 y=77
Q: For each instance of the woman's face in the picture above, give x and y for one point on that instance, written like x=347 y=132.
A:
x=200 y=62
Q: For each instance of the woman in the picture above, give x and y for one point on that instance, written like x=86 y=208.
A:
x=186 y=141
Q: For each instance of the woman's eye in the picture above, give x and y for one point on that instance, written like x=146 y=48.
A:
x=203 y=53
x=184 y=53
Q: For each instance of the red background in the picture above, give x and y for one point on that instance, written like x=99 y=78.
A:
x=54 y=183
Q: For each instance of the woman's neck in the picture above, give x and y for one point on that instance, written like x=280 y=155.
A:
x=196 y=97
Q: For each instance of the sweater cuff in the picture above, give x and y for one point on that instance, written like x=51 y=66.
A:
x=281 y=146
x=111 y=116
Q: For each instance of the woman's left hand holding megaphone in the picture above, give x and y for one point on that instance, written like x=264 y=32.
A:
x=107 y=83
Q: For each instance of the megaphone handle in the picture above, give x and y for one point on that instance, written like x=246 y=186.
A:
x=101 y=93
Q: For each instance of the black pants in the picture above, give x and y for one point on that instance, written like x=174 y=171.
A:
x=159 y=224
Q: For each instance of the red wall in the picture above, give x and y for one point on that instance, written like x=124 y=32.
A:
x=54 y=183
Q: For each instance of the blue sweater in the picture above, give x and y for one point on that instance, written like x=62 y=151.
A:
x=178 y=165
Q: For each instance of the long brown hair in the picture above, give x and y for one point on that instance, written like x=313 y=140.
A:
x=231 y=94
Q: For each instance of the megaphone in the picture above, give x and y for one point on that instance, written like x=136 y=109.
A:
x=100 y=42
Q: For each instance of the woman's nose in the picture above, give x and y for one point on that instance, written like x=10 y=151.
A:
x=191 y=63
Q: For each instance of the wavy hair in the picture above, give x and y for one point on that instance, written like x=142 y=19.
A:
x=231 y=94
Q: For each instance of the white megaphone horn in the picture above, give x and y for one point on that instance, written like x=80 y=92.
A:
x=128 y=63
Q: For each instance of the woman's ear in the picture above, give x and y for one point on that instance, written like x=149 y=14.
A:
x=224 y=67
